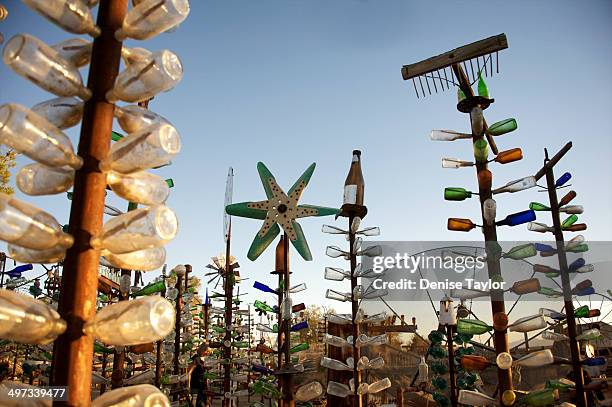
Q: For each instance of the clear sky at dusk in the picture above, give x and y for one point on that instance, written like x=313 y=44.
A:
x=299 y=81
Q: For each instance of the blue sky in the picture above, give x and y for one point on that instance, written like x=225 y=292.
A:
x=295 y=82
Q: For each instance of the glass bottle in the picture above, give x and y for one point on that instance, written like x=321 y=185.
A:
x=562 y=180
x=136 y=55
x=297 y=288
x=299 y=347
x=423 y=371
x=545 y=397
x=261 y=306
x=554 y=336
x=139 y=229
x=141 y=395
x=474 y=362
x=338 y=296
x=502 y=127
x=27 y=320
x=517 y=185
x=539 y=227
x=569 y=221
x=142 y=260
x=455 y=163
x=572 y=209
x=76 y=51
x=336 y=274
x=379 y=386
x=308 y=392
x=148 y=148
x=151 y=17
x=456 y=194
x=521 y=252
x=71 y=15
x=263 y=348
x=567 y=198
x=48 y=256
x=518 y=218
x=475 y=398
x=338 y=389
x=264 y=288
x=133 y=118
x=134 y=322
x=460 y=224
x=27 y=226
x=472 y=327
x=363 y=340
x=139 y=187
x=536 y=206
x=299 y=326
x=576 y=227
x=589 y=334
x=522 y=287
x=528 y=324
x=481 y=150
x=63 y=112
x=354 y=184
x=141 y=378
x=334 y=364
x=508 y=156
x=489 y=211
x=37 y=62
x=477 y=121
x=447 y=135
x=30 y=134
x=39 y=179
x=137 y=83
x=150 y=289
x=535 y=359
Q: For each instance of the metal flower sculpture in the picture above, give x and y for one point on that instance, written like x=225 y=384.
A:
x=279 y=209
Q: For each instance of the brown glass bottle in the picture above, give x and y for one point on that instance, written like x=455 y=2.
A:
x=354 y=185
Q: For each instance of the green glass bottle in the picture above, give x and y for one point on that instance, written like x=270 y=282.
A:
x=502 y=127
x=569 y=221
x=441 y=399
x=153 y=288
x=262 y=306
x=218 y=329
x=456 y=194
x=521 y=252
x=266 y=389
x=545 y=397
x=436 y=337
x=439 y=368
x=481 y=150
x=483 y=90
x=99 y=348
x=536 y=206
x=581 y=248
x=240 y=344
x=581 y=312
x=211 y=375
x=299 y=347
x=437 y=352
x=472 y=327
x=460 y=94
x=561 y=384
x=439 y=383
x=549 y=292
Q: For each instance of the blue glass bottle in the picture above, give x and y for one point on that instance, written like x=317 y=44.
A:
x=264 y=288
x=585 y=291
x=518 y=218
x=299 y=326
x=563 y=179
x=576 y=264
x=541 y=247
x=597 y=361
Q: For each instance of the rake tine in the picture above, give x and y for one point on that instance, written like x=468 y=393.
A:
x=472 y=68
x=427 y=82
x=491 y=63
x=446 y=77
x=440 y=79
x=497 y=60
x=415 y=88
x=466 y=72
x=478 y=64
x=422 y=89
x=433 y=79
x=484 y=65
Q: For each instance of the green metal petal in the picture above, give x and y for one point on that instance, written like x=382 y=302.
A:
x=261 y=243
x=305 y=178
x=242 y=209
x=319 y=211
x=300 y=243
x=264 y=175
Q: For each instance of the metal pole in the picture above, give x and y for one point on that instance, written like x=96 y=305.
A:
x=484 y=176
x=74 y=350
x=451 y=365
x=177 y=324
x=104 y=363
x=229 y=293
x=119 y=356
x=288 y=400
x=2 y=268
x=567 y=291
x=357 y=400
x=158 y=363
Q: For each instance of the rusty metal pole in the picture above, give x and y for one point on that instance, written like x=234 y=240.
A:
x=567 y=290
x=485 y=178
x=104 y=363
x=177 y=323
x=357 y=398
x=77 y=303
x=229 y=293
x=287 y=388
x=158 y=364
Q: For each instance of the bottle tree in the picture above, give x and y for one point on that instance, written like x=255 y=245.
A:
x=282 y=209
x=354 y=210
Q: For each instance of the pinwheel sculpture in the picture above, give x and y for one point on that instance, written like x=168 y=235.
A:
x=282 y=209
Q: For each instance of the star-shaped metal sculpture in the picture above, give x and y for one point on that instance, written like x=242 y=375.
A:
x=280 y=209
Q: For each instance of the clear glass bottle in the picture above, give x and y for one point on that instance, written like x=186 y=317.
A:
x=47 y=256
x=71 y=15
x=143 y=320
x=133 y=118
x=338 y=389
x=152 y=17
x=33 y=136
x=539 y=227
x=139 y=187
x=148 y=148
x=447 y=135
x=336 y=274
x=474 y=398
x=335 y=364
x=141 y=395
x=137 y=83
x=308 y=392
x=37 y=62
x=455 y=163
x=38 y=179
x=27 y=226
x=63 y=112
x=139 y=229
x=335 y=295
x=76 y=51
x=142 y=260
x=27 y=320
x=379 y=386
x=336 y=341
x=517 y=185
x=136 y=55
x=535 y=359
x=528 y=324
